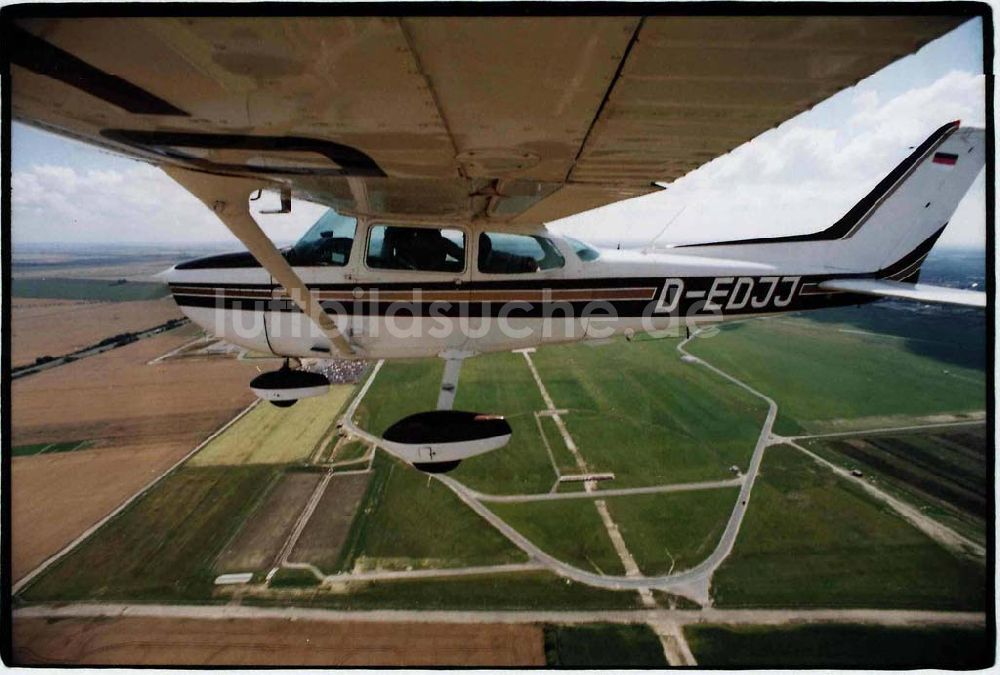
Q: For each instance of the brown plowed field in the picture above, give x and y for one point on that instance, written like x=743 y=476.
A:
x=258 y=543
x=330 y=523
x=57 y=327
x=259 y=642
x=140 y=418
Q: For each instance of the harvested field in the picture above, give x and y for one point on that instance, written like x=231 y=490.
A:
x=330 y=523
x=271 y=435
x=262 y=535
x=56 y=497
x=115 y=399
x=272 y=642
x=57 y=327
x=141 y=419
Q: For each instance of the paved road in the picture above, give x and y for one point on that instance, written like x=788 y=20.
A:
x=388 y=575
x=885 y=617
x=617 y=492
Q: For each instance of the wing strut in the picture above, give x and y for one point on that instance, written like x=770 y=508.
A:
x=227 y=197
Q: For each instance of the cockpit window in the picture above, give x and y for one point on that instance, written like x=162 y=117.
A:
x=425 y=249
x=504 y=253
x=328 y=242
x=584 y=252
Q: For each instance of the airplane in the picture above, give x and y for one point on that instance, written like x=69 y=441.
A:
x=442 y=147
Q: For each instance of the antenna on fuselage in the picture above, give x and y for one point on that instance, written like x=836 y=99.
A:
x=649 y=246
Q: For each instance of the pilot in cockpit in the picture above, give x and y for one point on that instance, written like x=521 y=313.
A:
x=425 y=249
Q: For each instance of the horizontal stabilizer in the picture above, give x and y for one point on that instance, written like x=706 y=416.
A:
x=899 y=289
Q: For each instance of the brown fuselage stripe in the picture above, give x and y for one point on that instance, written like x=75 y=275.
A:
x=542 y=295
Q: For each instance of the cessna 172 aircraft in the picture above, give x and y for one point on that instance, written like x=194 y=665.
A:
x=443 y=145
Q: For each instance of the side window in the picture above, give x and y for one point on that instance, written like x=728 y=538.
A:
x=585 y=252
x=425 y=249
x=328 y=242
x=503 y=253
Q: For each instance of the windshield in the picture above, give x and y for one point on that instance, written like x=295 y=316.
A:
x=583 y=251
x=327 y=242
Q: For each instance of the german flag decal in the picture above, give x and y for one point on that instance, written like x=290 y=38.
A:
x=945 y=158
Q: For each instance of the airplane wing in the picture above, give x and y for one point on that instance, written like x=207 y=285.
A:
x=899 y=289
x=519 y=120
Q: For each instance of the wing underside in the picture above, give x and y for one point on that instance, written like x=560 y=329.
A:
x=906 y=291
x=514 y=119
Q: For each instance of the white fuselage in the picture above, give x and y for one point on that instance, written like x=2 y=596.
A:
x=395 y=313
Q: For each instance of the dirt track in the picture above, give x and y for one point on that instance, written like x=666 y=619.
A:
x=141 y=419
x=250 y=642
x=57 y=327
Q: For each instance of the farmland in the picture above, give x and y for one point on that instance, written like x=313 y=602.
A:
x=87 y=289
x=42 y=328
x=272 y=435
x=816 y=393
x=943 y=470
x=568 y=529
x=840 y=646
x=640 y=412
x=324 y=535
x=603 y=646
x=42 y=448
x=163 y=547
x=256 y=545
x=147 y=641
x=812 y=539
x=516 y=590
x=672 y=531
x=407 y=519
x=137 y=420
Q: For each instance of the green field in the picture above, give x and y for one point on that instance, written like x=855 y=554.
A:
x=49 y=448
x=272 y=435
x=163 y=546
x=401 y=388
x=672 y=531
x=840 y=646
x=603 y=645
x=407 y=519
x=87 y=289
x=521 y=590
x=640 y=412
x=831 y=377
x=502 y=384
x=568 y=529
x=351 y=450
x=812 y=539
x=942 y=471
x=492 y=383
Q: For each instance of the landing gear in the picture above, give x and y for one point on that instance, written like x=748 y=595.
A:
x=285 y=386
x=438 y=440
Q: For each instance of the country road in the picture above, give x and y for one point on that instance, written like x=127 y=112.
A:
x=616 y=492
x=773 y=617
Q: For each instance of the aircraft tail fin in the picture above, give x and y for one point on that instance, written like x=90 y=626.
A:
x=896 y=225
x=893 y=228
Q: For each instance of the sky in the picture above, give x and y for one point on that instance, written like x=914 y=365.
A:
x=796 y=178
